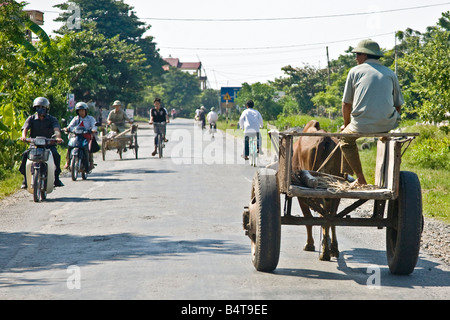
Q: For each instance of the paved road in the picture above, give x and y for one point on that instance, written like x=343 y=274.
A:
x=171 y=228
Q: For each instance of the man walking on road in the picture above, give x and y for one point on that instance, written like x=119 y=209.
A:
x=371 y=101
x=251 y=120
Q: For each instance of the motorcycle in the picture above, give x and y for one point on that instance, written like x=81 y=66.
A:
x=40 y=168
x=79 y=155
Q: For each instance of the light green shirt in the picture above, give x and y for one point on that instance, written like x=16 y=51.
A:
x=374 y=92
x=118 y=118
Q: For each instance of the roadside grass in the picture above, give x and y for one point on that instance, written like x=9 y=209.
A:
x=10 y=183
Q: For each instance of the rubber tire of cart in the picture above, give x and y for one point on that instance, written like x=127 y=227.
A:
x=265 y=205
x=403 y=238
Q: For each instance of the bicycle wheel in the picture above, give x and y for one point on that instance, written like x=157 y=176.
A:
x=160 y=146
x=253 y=151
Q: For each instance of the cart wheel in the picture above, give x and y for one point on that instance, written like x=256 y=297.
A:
x=120 y=150
x=265 y=220
x=103 y=148
x=403 y=236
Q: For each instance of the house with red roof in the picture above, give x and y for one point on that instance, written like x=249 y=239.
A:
x=194 y=68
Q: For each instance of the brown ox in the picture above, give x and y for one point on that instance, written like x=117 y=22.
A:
x=309 y=153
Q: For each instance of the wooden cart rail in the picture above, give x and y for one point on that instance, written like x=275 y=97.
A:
x=389 y=152
x=354 y=135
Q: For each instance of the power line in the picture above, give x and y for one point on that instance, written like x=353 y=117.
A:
x=294 y=18
x=279 y=47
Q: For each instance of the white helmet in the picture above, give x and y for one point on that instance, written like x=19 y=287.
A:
x=41 y=105
x=41 y=102
x=81 y=106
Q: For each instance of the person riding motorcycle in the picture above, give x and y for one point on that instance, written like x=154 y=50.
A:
x=88 y=122
x=200 y=116
x=212 y=118
x=42 y=124
x=117 y=117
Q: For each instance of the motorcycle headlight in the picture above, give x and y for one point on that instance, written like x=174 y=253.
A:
x=39 y=141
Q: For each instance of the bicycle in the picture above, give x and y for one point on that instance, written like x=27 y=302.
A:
x=160 y=129
x=253 y=150
x=212 y=129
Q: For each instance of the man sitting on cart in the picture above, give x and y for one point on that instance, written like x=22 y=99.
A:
x=371 y=102
x=117 y=117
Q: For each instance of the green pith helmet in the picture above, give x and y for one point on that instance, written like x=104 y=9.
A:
x=368 y=47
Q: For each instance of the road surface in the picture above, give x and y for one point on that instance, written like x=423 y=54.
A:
x=171 y=228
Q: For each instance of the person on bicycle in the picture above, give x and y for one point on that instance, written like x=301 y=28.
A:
x=86 y=121
x=159 y=117
x=42 y=124
x=251 y=120
x=117 y=117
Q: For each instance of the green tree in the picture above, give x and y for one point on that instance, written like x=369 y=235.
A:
x=22 y=77
x=116 y=18
x=181 y=91
x=428 y=91
x=263 y=95
x=302 y=84
x=210 y=98
x=331 y=98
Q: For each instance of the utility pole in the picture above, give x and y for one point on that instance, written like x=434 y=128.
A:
x=328 y=67
x=395 y=54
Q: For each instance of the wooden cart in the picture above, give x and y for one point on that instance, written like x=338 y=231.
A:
x=120 y=142
x=262 y=218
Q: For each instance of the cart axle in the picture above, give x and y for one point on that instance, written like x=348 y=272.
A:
x=357 y=222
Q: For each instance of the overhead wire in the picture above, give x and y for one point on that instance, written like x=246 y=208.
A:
x=276 y=47
x=294 y=18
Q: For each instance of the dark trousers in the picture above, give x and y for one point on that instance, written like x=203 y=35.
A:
x=56 y=159
x=247 y=139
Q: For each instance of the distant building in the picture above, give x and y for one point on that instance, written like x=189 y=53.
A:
x=35 y=16
x=194 y=68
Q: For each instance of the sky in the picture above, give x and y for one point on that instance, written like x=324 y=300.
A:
x=250 y=41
